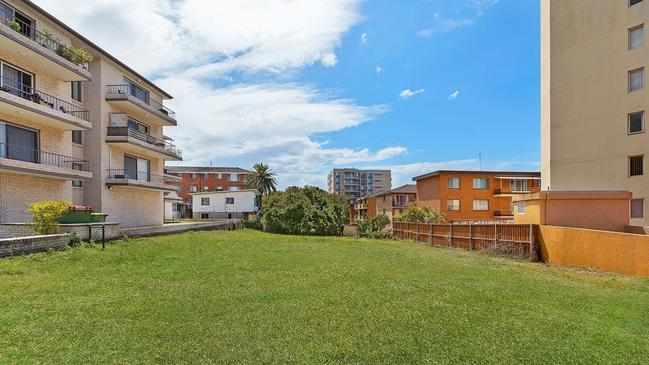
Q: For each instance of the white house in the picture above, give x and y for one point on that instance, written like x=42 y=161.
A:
x=173 y=204
x=240 y=204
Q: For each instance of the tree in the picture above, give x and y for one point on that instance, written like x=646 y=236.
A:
x=421 y=215
x=262 y=179
x=307 y=211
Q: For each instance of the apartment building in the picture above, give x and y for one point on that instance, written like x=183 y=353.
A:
x=474 y=195
x=390 y=203
x=594 y=98
x=77 y=124
x=357 y=183
x=206 y=179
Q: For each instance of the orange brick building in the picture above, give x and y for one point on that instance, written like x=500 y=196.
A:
x=474 y=195
x=205 y=179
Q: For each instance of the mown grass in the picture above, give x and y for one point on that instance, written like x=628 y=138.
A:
x=250 y=297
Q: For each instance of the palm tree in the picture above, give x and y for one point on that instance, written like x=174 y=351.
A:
x=263 y=179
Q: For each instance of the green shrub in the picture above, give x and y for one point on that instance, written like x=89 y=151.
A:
x=46 y=215
x=421 y=215
x=75 y=240
x=306 y=211
x=375 y=227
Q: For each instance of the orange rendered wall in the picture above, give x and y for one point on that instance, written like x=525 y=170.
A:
x=622 y=253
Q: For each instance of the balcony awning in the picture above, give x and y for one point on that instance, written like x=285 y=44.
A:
x=518 y=178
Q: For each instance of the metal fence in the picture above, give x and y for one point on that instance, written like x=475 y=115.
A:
x=503 y=239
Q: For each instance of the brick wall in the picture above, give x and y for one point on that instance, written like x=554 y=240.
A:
x=213 y=181
x=26 y=245
x=19 y=191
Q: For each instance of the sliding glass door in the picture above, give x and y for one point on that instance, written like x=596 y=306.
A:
x=16 y=81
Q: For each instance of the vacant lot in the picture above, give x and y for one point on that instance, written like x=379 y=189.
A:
x=249 y=297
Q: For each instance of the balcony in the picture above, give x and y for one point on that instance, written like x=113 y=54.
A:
x=512 y=191
x=28 y=161
x=503 y=213
x=142 y=107
x=42 y=49
x=37 y=106
x=137 y=180
x=138 y=142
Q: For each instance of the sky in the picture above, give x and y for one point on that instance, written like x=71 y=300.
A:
x=308 y=85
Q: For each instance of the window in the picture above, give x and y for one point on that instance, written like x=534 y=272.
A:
x=480 y=183
x=206 y=176
x=18 y=143
x=636 y=37
x=77 y=183
x=234 y=177
x=25 y=22
x=204 y=189
x=137 y=91
x=205 y=216
x=520 y=208
x=481 y=204
x=220 y=176
x=76 y=137
x=76 y=90
x=636 y=123
x=637 y=208
x=137 y=168
x=519 y=185
x=453 y=182
x=229 y=201
x=192 y=189
x=205 y=201
x=18 y=82
x=633 y=2
x=138 y=126
x=453 y=205
x=636 y=167
x=219 y=188
x=192 y=176
x=636 y=79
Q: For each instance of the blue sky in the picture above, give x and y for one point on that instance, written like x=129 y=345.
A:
x=308 y=85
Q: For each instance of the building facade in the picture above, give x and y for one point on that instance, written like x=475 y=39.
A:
x=390 y=203
x=207 y=179
x=77 y=124
x=594 y=98
x=233 y=204
x=357 y=183
x=474 y=195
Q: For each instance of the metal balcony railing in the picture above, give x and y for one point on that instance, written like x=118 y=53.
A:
x=26 y=92
x=45 y=39
x=130 y=132
x=130 y=90
x=121 y=174
x=21 y=153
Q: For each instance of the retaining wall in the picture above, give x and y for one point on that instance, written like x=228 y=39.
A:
x=26 y=245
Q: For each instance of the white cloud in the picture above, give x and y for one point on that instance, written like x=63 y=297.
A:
x=208 y=37
x=183 y=45
x=364 y=37
x=407 y=93
x=466 y=15
x=454 y=95
x=379 y=70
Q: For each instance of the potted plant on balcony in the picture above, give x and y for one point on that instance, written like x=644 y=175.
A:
x=15 y=25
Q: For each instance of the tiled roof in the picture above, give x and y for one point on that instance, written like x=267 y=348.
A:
x=201 y=169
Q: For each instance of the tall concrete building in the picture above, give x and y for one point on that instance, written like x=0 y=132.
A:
x=357 y=183
x=77 y=124
x=594 y=98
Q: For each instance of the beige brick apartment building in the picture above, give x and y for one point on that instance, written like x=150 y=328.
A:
x=90 y=132
x=357 y=183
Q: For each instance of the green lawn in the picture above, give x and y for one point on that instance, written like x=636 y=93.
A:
x=249 y=297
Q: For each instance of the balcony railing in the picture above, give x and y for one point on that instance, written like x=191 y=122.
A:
x=45 y=39
x=21 y=153
x=503 y=213
x=122 y=174
x=529 y=189
x=26 y=92
x=130 y=132
x=130 y=90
